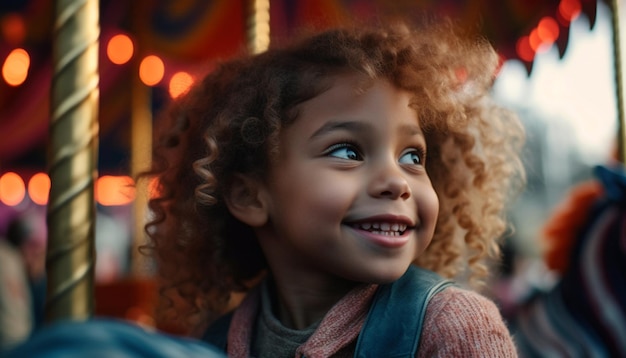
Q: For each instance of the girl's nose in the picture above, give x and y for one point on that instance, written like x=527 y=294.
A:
x=390 y=182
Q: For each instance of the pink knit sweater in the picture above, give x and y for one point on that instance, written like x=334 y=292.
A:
x=458 y=323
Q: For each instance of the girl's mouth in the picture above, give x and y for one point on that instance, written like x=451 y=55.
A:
x=381 y=228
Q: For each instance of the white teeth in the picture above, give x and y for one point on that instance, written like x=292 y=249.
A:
x=386 y=233
x=383 y=228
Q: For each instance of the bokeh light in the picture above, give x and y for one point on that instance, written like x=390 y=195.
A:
x=151 y=70
x=569 y=9
x=39 y=188
x=115 y=190
x=524 y=50
x=120 y=49
x=534 y=41
x=13 y=28
x=548 y=30
x=12 y=189
x=180 y=83
x=154 y=188
x=15 y=68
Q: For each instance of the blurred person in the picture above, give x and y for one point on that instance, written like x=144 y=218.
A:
x=32 y=225
x=16 y=314
x=113 y=243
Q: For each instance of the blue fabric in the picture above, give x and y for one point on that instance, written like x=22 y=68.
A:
x=613 y=178
x=394 y=323
x=108 y=338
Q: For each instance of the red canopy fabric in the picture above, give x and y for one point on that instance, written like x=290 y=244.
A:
x=186 y=33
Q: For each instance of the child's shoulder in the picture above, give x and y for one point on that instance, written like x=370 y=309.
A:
x=455 y=301
x=460 y=322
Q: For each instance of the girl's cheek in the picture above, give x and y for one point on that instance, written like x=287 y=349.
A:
x=429 y=210
x=332 y=200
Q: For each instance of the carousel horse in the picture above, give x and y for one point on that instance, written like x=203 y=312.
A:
x=584 y=314
x=108 y=338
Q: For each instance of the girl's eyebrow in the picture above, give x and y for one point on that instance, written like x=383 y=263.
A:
x=357 y=126
x=331 y=126
x=411 y=129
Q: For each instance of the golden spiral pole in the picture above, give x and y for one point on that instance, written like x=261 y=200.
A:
x=619 y=85
x=140 y=150
x=258 y=25
x=73 y=157
x=141 y=159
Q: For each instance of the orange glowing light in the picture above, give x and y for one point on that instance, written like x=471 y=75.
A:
x=15 y=68
x=12 y=189
x=39 y=188
x=151 y=70
x=115 y=190
x=180 y=83
x=524 y=51
x=548 y=30
x=534 y=40
x=569 y=9
x=13 y=28
x=120 y=49
x=154 y=188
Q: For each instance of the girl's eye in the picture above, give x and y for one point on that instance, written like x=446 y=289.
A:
x=344 y=151
x=413 y=157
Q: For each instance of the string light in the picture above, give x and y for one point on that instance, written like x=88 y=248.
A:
x=151 y=70
x=109 y=190
x=13 y=28
x=15 y=68
x=180 y=83
x=524 y=50
x=39 y=188
x=120 y=49
x=115 y=190
x=548 y=30
x=12 y=189
x=569 y=9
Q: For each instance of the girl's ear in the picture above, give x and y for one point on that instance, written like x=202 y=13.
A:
x=246 y=202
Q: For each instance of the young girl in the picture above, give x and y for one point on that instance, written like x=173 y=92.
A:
x=310 y=176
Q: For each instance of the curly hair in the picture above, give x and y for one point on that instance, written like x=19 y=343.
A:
x=230 y=123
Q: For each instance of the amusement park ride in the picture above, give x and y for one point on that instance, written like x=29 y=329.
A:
x=73 y=135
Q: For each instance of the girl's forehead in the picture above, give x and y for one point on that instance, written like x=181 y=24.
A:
x=347 y=94
x=351 y=86
x=356 y=98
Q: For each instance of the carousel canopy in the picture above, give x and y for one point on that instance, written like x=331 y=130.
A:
x=183 y=37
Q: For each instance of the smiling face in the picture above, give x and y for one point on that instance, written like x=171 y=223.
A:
x=348 y=197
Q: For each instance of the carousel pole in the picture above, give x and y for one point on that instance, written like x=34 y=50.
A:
x=619 y=84
x=73 y=154
x=258 y=25
x=141 y=159
x=141 y=153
